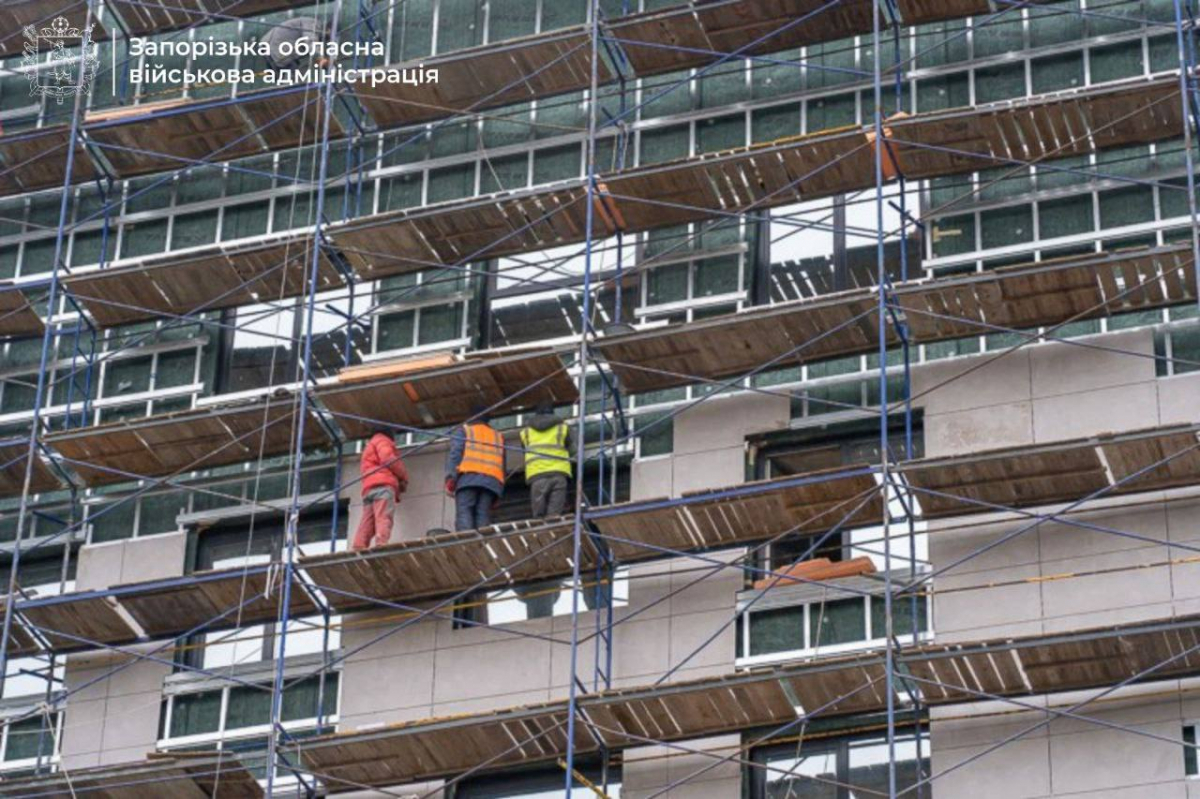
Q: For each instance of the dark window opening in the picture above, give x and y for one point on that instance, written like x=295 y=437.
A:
x=840 y=768
x=835 y=446
x=539 y=783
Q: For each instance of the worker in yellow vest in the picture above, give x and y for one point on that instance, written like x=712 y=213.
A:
x=548 y=445
x=475 y=471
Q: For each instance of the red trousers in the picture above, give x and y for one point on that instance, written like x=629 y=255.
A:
x=375 y=528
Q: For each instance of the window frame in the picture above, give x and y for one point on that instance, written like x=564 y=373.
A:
x=743 y=659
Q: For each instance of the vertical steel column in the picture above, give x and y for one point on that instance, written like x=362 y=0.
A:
x=576 y=586
x=47 y=339
x=880 y=253
x=1185 y=77
x=298 y=443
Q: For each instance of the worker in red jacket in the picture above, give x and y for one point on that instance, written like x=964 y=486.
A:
x=384 y=479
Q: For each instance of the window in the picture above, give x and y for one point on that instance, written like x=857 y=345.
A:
x=30 y=744
x=425 y=310
x=824 y=627
x=545 y=783
x=546 y=599
x=656 y=434
x=1190 y=767
x=837 y=769
x=681 y=288
x=233 y=545
x=261 y=346
x=1177 y=351
x=132 y=373
x=237 y=718
x=41 y=574
x=150 y=514
x=810 y=449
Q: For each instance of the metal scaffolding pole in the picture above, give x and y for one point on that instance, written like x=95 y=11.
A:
x=273 y=759
x=581 y=425
x=48 y=339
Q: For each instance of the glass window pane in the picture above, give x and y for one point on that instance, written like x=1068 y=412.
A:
x=1005 y=226
x=248 y=707
x=29 y=738
x=869 y=764
x=440 y=323
x=667 y=284
x=113 y=521
x=810 y=776
x=840 y=622
x=716 y=276
x=779 y=630
x=396 y=331
x=902 y=616
x=128 y=376
x=193 y=714
x=1117 y=61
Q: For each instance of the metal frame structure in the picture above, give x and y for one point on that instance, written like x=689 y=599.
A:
x=892 y=319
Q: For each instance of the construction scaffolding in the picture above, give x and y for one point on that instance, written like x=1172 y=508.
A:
x=315 y=416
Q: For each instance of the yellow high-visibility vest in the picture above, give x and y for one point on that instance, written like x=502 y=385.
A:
x=546 y=451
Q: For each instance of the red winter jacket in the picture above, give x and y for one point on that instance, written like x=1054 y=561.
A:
x=382 y=467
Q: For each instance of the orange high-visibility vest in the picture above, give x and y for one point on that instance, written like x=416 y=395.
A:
x=484 y=453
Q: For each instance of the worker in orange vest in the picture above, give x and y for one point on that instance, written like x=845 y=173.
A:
x=475 y=471
x=384 y=479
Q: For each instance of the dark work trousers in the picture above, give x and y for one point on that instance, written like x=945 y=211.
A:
x=548 y=494
x=472 y=508
x=548 y=497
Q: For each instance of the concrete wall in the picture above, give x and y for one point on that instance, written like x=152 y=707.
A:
x=115 y=719
x=1069 y=756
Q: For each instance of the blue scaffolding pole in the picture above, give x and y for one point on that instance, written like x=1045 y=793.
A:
x=582 y=363
x=292 y=524
x=48 y=339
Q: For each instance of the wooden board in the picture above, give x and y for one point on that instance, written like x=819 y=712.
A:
x=785 y=335
x=490 y=76
x=164 y=776
x=173 y=135
x=716 y=518
x=843 y=685
x=1051 y=473
x=1045 y=127
x=207 y=278
x=216 y=600
x=37 y=159
x=12 y=470
x=693 y=35
x=406 y=571
x=182 y=442
x=17 y=315
x=444 y=396
x=80 y=624
x=457 y=232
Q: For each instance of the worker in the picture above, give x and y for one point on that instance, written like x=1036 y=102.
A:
x=384 y=479
x=548 y=443
x=475 y=471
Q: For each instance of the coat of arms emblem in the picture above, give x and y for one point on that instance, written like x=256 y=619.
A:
x=62 y=59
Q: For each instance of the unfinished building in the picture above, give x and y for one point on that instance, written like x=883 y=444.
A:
x=876 y=324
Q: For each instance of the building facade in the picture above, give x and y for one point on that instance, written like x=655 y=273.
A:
x=991 y=573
